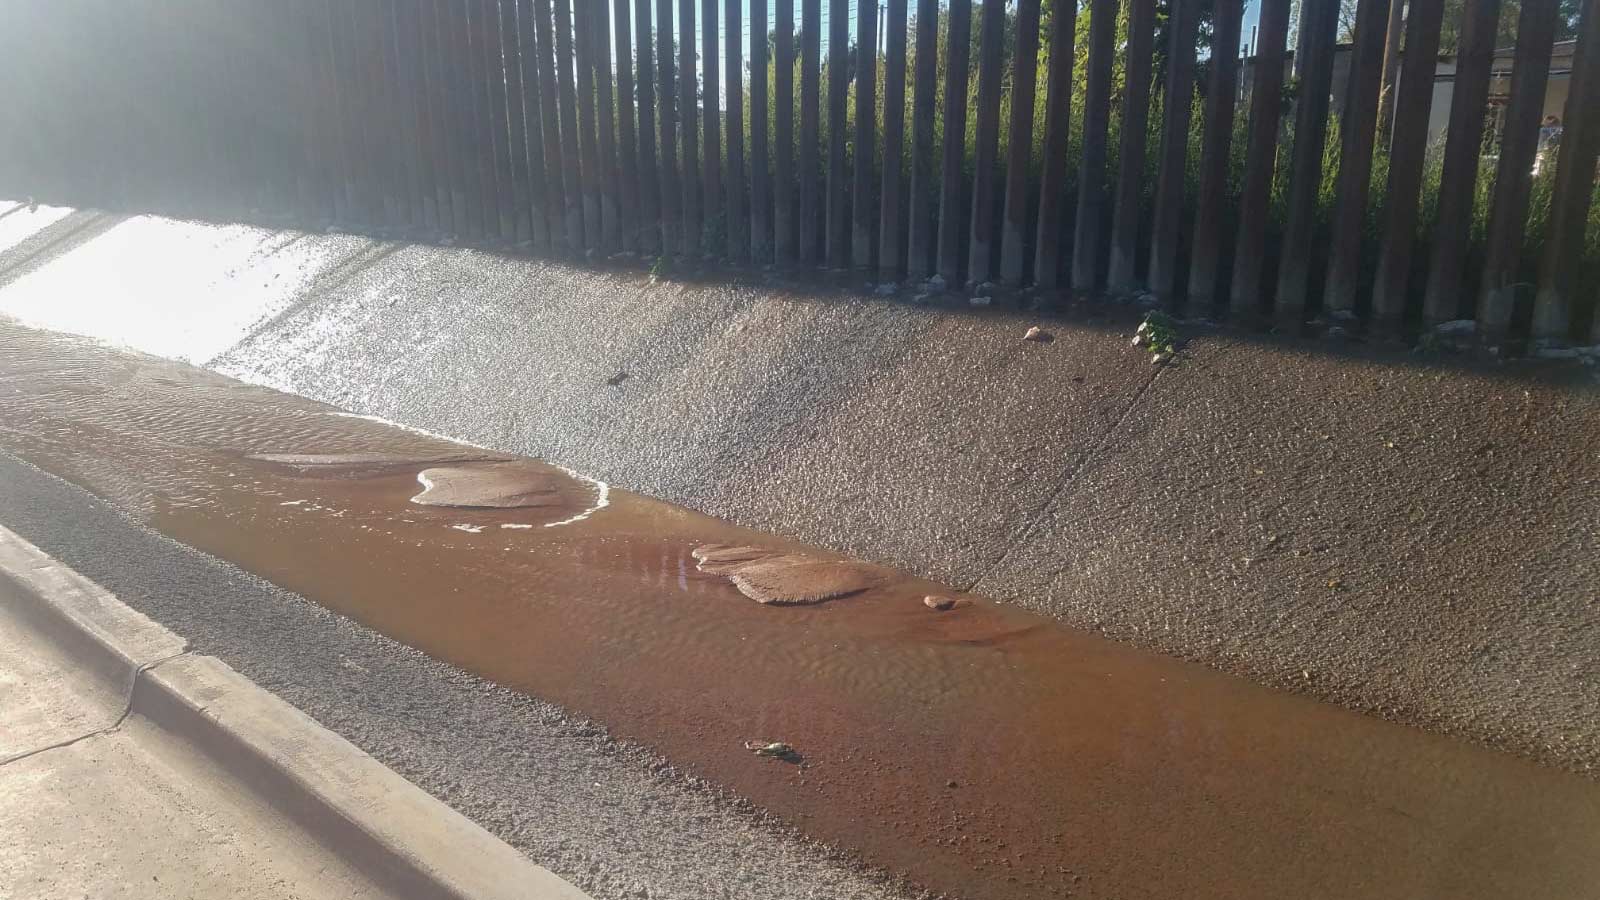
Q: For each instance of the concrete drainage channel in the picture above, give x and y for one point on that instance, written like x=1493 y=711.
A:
x=396 y=837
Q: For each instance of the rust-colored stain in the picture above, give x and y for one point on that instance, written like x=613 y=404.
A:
x=981 y=750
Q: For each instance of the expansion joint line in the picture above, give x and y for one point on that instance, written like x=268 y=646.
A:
x=1070 y=478
x=127 y=710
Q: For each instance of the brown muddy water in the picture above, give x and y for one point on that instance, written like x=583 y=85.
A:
x=982 y=751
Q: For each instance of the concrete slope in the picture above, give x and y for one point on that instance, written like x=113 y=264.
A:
x=1416 y=536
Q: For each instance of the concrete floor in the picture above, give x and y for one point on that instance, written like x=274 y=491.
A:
x=96 y=804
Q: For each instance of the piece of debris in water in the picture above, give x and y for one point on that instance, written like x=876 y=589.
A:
x=618 y=378
x=763 y=748
x=941 y=602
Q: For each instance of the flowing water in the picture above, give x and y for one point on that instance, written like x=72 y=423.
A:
x=983 y=751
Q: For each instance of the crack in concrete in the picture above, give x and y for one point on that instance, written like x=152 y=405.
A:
x=1071 y=477
x=127 y=710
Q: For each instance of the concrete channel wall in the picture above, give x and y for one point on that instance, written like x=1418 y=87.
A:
x=1417 y=536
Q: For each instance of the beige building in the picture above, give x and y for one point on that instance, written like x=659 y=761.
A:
x=1555 y=95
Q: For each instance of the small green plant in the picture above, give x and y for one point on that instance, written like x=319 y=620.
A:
x=1158 y=333
x=659 y=267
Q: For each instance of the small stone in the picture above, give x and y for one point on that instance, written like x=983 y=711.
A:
x=941 y=602
x=936 y=283
x=1038 y=334
x=887 y=289
x=1337 y=332
x=1138 y=340
x=774 y=748
x=1335 y=584
x=987 y=287
x=1159 y=358
x=981 y=300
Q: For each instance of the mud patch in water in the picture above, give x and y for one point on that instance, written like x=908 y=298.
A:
x=512 y=485
x=779 y=579
x=984 y=751
x=794 y=581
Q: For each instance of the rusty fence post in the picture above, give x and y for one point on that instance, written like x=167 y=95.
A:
x=711 y=117
x=1172 y=172
x=1019 y=154
x=528 y=52
x=1463 y=158
x=1508 y=207
x=838 y=240
x=1205 y=241
x=1261 y=154
x=498 y=225
x=516 y=126
x=924 y=99
x=1555 y=302
x=649 y=230
x=784 y=249
x=592 y=177
x=1321 y=17
x=981 y=236
x=760 y=145
x=1087 y=231
x=435 y=107
x=1057 y=119
x=1357 y=137
x=863 y=201
x=891 y=219
x=1405 y=165
x=952 y=220
x=737 y=195
x=627 y=165
x=810 y=118
x=571 y=180
x=693 y=226
x=606 y=114
x=673 y=237
x=1124 y=271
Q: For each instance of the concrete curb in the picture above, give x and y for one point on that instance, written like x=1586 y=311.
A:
x=400 y=836
x=113 y=639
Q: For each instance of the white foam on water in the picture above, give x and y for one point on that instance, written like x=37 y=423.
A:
x=601 y=501
x=470 y=529
x=427 y=485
